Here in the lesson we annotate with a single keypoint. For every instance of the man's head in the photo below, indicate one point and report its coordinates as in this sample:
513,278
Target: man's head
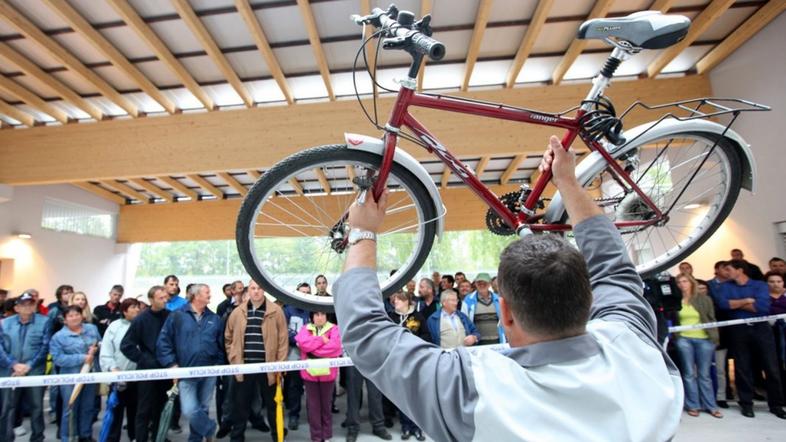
25,306
494,285
447,282
321,283
3,295
157,296
464,288
778,265
722,270
411,286
775,282
483,283
63,294
237,289
227,290
115,293
449,299
34,293
172,285
198,295
686,268
738,270
460,276
436,277
303,287
426,288
737,254
545,288
255,293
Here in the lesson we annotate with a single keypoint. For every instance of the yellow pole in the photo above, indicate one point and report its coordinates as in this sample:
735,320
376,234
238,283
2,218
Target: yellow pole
279,399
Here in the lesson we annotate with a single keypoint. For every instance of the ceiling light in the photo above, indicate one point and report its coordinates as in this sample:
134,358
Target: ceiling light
24,236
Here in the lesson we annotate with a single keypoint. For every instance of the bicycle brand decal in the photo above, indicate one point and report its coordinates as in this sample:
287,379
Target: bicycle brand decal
445,155
608,28
544,118
354,142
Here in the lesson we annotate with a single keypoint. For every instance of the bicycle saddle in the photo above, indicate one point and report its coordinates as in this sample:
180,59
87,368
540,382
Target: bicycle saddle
646,30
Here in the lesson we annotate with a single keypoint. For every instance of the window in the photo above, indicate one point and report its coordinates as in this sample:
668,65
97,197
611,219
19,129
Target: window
63,216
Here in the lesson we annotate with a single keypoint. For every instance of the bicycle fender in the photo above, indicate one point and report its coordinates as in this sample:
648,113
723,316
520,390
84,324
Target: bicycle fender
593,163
377,146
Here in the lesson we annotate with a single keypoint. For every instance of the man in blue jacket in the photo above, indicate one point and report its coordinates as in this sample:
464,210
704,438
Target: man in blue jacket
24,341
450,328
482,309
192,337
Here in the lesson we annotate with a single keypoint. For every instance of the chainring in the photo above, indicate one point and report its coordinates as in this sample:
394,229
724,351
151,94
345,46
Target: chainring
496,224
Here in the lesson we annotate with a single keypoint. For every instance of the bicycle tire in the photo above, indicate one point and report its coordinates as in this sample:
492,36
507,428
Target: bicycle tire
729,151
281,172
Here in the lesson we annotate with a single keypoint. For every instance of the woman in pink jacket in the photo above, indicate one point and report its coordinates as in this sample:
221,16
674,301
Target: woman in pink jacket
318,340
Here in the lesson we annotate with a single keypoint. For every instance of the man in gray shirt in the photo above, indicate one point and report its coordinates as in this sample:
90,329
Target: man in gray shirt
583,355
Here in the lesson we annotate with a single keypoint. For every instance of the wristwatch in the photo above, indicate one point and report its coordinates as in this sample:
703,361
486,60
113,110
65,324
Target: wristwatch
357,235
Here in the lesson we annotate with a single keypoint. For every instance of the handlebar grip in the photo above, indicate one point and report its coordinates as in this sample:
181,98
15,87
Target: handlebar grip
428,46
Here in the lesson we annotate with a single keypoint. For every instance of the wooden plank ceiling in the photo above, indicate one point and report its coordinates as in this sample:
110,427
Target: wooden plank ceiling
65,62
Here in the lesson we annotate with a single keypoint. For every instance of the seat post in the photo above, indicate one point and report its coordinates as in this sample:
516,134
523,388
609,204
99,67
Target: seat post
603,79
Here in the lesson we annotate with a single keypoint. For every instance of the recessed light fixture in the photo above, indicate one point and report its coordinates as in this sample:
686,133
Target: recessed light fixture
24,236
692,206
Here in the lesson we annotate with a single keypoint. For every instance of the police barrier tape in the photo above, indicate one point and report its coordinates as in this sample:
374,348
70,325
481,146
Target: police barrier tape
265,367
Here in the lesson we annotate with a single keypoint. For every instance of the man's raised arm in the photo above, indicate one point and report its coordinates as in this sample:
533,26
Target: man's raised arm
616,286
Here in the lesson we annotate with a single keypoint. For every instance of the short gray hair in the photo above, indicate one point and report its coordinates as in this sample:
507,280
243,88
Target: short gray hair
194,290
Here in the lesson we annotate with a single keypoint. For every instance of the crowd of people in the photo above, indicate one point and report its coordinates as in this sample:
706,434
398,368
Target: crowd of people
168,330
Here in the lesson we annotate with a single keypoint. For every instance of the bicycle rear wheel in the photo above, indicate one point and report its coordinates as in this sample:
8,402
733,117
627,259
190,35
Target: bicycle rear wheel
291,219
696,205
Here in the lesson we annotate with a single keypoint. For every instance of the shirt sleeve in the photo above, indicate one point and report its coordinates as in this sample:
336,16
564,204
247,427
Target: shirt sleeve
106,356
6,360
763,300
616,286
165,349
435,388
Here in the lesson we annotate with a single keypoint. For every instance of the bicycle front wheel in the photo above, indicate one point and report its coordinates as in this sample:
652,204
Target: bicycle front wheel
291,223
693,183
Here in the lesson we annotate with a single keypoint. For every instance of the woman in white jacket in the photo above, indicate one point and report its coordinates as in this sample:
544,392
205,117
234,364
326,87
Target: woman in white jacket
112,359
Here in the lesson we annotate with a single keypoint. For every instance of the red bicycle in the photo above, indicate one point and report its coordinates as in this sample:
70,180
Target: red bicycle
667,184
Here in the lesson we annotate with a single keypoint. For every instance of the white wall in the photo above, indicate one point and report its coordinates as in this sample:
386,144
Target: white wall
51,258
757,72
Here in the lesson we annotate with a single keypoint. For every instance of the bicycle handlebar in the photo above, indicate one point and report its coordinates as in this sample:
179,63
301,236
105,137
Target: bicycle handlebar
402,33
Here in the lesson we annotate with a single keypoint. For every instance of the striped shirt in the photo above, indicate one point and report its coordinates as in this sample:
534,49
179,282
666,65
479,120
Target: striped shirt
254,348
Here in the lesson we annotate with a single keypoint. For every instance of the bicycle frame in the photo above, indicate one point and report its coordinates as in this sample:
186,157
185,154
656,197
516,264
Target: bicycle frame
527,217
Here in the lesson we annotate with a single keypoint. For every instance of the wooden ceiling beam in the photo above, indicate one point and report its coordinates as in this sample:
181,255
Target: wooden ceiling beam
576,47
31,69
261,136
233,183
316,45
264,47
661,5
126,190
481,20
86,30
207,185
371,48
528,42
425,8
512,168
31,31
323,180
180,187
186,12
743,33
17,114
146,33
296,185
152,188
17,90
443,182
103,193
253,173
481,167
708,16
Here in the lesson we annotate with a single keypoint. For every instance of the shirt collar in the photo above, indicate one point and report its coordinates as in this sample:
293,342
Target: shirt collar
555,352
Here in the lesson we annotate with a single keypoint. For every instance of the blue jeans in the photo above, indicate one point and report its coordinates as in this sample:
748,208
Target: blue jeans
696,356
195,395
83,411
12,401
